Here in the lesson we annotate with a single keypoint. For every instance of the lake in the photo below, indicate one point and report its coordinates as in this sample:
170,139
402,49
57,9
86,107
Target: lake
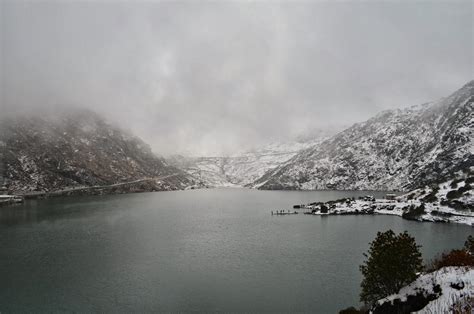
198,250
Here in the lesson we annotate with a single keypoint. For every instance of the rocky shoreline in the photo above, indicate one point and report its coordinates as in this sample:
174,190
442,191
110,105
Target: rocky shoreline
448,202
408,210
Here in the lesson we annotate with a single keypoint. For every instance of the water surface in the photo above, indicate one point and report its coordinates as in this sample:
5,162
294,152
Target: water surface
200,250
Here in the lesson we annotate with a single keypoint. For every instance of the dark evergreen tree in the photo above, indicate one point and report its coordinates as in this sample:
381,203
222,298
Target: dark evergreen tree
469,245
391,263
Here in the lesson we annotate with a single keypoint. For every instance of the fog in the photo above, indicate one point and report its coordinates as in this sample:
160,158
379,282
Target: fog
209,78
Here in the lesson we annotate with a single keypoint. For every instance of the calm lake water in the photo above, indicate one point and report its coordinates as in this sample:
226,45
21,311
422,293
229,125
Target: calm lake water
200,250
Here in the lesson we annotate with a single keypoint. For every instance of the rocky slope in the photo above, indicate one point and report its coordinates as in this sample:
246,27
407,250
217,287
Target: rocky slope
76,149
396,150
243,169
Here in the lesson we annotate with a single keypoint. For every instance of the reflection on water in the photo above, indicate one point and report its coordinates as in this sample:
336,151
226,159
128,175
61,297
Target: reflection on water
50,209
200,250
79,206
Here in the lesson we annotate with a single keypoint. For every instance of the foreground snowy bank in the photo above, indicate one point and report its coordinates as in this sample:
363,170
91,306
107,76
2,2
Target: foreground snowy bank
447,290
451,201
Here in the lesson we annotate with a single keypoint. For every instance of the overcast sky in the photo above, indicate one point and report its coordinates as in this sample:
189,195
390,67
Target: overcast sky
210,78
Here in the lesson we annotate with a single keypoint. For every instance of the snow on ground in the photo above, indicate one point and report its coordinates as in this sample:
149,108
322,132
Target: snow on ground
451,286
386,207
415,205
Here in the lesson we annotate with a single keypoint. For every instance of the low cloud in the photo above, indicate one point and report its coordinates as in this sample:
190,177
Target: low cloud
213,78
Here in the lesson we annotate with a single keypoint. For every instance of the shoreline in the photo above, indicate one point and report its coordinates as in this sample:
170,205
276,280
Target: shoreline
134,187
346,206
409,210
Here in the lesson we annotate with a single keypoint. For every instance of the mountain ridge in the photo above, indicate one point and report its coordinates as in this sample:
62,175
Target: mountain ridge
397,149
241,170
78,148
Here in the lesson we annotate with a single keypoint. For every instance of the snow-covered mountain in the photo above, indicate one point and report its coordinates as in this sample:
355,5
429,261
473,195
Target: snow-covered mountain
77,148
396,150
243,169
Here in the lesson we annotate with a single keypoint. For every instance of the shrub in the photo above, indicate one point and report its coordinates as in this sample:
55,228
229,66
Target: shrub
414,212
453,194
469,244
352,310
463,257
392,262
454,258
430,198
464,188
440,214
454,184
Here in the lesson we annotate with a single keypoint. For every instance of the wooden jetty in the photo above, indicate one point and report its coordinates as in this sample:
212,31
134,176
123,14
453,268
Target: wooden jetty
284,213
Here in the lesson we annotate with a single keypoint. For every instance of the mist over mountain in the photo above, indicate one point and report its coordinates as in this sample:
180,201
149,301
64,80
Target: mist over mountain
395,150
78,148
220,78
243,169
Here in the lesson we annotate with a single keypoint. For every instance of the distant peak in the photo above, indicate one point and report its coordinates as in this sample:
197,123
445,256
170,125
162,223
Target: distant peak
468,85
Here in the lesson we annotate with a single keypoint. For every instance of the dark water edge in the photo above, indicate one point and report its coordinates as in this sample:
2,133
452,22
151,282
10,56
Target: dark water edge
197,250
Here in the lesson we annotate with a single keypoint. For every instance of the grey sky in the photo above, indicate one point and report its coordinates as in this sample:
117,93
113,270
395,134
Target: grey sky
213,77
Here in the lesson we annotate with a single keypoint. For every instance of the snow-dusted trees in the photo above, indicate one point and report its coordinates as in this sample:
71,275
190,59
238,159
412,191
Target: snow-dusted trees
392,262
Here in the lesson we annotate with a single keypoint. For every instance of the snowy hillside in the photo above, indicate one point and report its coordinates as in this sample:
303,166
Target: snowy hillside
447,290
243,169
79,149
396,150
